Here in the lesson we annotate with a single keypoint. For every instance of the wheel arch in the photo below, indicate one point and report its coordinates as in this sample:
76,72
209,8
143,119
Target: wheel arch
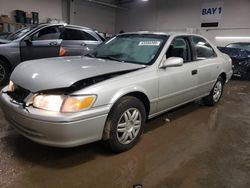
4,59
140,95
223,76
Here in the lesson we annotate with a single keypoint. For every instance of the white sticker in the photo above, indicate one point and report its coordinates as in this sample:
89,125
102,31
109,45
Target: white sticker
149,43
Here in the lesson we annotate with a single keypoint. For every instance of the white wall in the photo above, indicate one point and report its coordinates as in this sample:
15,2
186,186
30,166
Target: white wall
46,8
155,15
178,15
94,16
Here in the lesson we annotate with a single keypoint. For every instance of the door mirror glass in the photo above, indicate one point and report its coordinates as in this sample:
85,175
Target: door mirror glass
172,62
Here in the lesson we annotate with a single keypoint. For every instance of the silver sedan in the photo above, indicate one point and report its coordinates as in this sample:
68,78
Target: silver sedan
110,93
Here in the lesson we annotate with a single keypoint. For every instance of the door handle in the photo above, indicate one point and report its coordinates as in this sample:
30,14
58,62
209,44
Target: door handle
84,44
194,72
53,43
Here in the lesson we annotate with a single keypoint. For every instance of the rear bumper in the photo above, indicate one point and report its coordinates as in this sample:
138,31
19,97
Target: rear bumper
55,131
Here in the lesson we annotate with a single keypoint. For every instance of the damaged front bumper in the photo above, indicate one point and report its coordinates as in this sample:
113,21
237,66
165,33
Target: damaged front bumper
55,128
241,69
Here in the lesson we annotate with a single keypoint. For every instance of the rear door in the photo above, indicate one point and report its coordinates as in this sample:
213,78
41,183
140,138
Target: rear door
209,65
44,43
78,42
177,85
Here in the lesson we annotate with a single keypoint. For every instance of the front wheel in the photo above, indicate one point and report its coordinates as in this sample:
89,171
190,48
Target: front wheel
126,121
215,94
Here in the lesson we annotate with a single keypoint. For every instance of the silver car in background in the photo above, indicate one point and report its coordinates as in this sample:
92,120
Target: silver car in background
43,41
110,93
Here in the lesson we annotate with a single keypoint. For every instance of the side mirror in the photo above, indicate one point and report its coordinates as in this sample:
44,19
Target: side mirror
28,41
172,62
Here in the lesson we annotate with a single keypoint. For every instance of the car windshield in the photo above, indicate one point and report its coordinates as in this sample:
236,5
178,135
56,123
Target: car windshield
20,33
243,46
132,48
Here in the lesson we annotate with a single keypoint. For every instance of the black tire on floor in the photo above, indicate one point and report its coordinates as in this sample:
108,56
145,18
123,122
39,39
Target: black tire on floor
210,100
117,117
4,73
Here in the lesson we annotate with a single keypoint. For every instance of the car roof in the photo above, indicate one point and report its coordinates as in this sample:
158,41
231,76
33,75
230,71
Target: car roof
161,33
68,25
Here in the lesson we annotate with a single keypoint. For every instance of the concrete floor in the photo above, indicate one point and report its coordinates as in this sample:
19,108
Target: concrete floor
201,147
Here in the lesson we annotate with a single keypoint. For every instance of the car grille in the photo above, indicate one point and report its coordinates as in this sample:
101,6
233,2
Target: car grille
19,94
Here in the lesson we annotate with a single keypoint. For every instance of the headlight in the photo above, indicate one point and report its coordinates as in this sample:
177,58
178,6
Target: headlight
11,87
78,103
62,103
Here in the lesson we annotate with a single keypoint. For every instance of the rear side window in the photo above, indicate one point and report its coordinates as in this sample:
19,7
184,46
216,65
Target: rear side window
73,34
202,49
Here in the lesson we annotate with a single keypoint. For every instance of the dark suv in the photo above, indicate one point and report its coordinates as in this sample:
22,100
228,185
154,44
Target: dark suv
43,41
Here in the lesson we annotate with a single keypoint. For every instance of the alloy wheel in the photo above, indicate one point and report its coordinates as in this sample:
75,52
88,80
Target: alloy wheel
129,126
217,91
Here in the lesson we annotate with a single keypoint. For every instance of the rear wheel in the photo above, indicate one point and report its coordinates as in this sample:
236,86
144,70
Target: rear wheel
215,94
4,73
126,121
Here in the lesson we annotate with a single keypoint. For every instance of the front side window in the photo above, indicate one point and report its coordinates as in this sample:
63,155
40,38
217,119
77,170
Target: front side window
179,48
20,33
73,34
132,48
202,49
48,33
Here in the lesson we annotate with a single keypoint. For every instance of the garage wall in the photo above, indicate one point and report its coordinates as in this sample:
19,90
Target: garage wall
46,8
178,15
95,16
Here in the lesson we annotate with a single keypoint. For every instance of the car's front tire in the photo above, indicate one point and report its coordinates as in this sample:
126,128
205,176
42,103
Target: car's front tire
4,73
215,94
126,121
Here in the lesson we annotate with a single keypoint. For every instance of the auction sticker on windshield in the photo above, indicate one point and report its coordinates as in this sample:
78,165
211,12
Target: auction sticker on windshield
149,43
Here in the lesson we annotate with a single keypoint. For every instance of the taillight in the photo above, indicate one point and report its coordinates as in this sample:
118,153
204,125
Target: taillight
62,51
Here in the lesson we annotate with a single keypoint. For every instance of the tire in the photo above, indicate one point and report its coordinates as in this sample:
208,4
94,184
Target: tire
246,76
126,123
4,73
215,94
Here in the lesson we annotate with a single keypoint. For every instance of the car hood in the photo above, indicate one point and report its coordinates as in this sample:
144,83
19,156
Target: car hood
62,72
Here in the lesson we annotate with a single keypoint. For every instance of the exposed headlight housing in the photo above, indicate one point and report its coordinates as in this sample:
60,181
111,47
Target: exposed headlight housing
63,103
11,87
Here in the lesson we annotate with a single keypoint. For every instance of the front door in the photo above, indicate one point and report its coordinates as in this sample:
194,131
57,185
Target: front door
177,85
44,43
